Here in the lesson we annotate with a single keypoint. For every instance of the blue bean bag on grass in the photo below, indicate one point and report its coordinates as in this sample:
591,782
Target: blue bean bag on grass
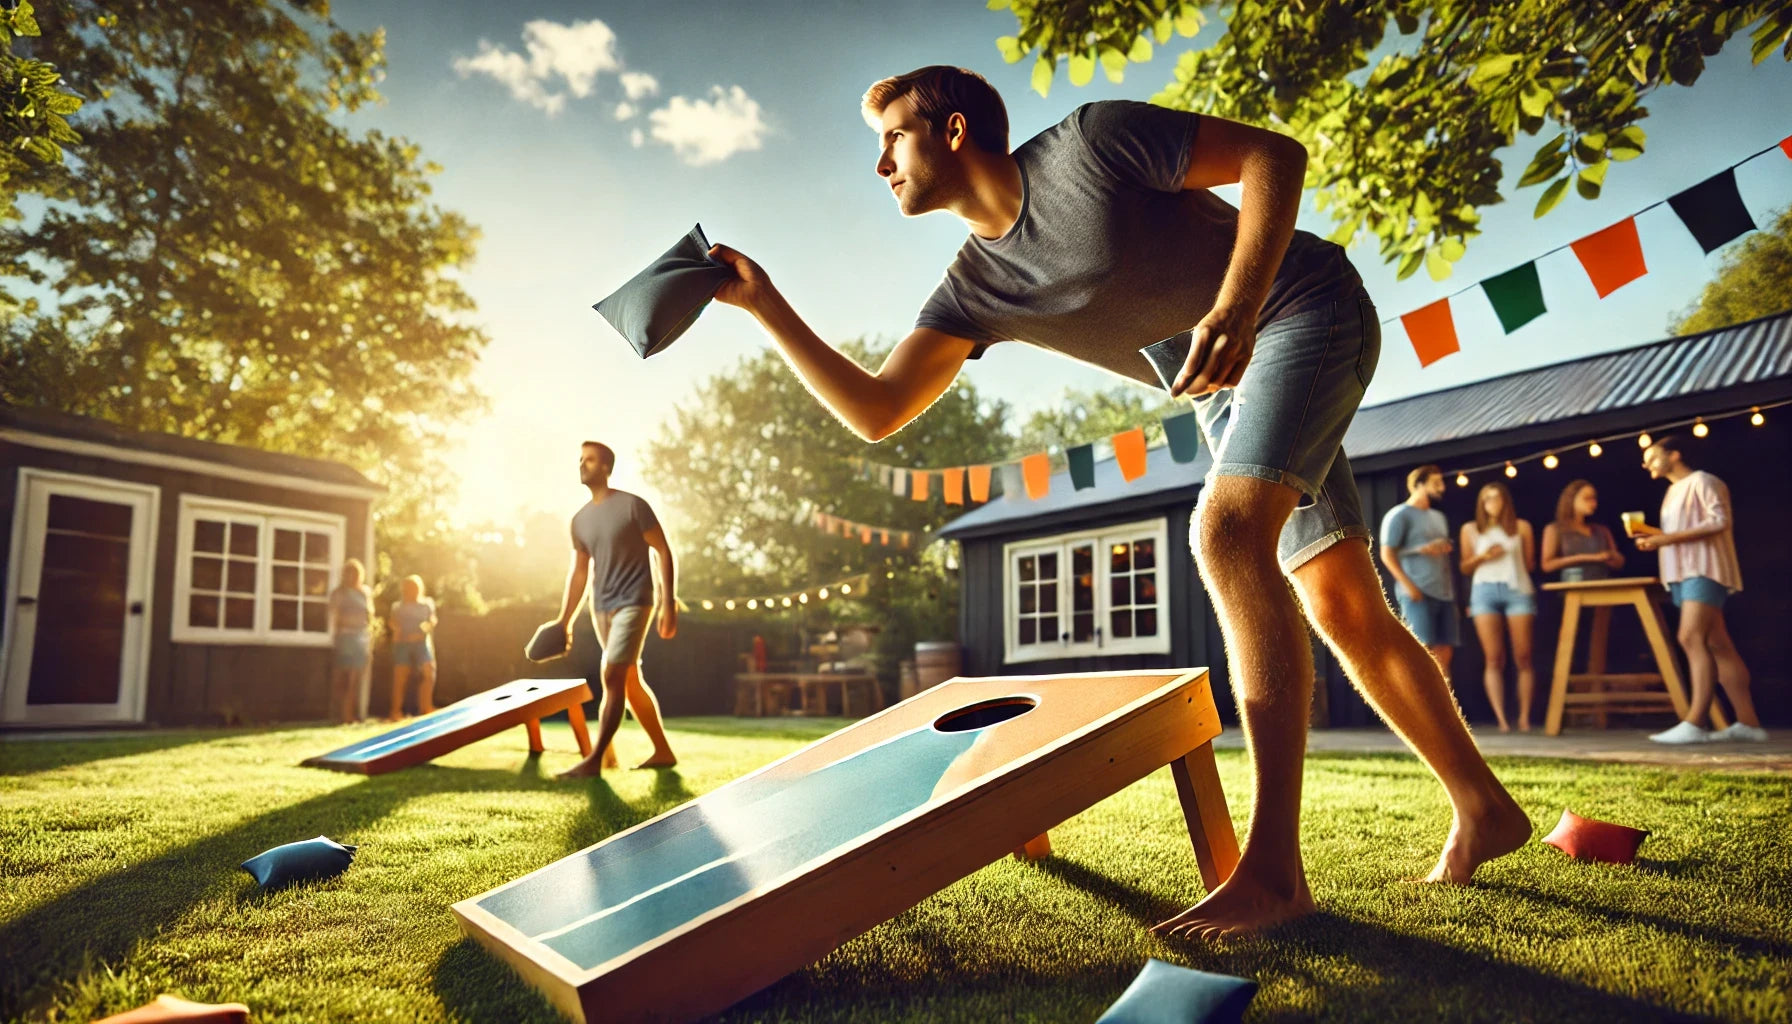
308,861
1166,994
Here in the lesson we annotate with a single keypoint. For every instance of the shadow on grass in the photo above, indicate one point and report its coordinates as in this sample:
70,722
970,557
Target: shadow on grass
1740,944
479,986
42,752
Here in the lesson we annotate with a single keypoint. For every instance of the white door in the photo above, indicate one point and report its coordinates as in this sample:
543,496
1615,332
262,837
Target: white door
77,613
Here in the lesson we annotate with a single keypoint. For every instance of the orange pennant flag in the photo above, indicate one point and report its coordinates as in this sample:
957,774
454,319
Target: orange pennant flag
1612,258
1786,146
884,538
1036,469
1432,331
952,485
1129,452
864,535
919,489
980,483
905,536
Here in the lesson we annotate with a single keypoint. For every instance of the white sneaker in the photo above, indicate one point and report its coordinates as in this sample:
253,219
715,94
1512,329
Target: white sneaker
1741,733
1683,732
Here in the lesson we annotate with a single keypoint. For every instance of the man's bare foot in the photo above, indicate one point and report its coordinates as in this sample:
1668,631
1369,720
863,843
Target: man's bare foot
590,768
610,759
658,761
1241,905
1479,840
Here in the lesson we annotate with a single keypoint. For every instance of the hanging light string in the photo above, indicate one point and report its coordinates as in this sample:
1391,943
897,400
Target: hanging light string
1548,456
845,587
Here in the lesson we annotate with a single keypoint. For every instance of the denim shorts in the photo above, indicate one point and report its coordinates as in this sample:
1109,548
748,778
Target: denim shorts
415,653
1702,589
351,650
1431,619
1285,421
1499,599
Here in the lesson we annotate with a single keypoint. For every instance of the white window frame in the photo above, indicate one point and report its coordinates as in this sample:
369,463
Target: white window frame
1104,646
268,518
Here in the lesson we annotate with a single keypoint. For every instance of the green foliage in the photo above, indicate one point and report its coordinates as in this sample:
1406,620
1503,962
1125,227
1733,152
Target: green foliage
1754,280
232,263
34,111
1404,146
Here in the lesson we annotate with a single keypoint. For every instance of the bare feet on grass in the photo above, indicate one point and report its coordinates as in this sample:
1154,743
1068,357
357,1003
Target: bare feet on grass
1243,905
1478,839
658,761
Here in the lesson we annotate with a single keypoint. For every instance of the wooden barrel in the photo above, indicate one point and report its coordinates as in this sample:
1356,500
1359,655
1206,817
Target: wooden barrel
935,663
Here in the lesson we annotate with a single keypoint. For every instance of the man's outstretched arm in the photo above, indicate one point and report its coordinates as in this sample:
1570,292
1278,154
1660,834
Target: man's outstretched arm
872,405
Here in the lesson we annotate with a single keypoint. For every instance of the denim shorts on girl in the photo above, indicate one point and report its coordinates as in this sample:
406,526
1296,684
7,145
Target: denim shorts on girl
1500,599
1285,421
1702,589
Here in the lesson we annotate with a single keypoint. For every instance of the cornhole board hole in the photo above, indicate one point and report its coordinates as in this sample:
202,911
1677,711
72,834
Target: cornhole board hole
689,912
520,702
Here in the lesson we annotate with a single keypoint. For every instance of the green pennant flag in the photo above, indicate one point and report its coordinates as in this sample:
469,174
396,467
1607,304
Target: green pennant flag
1517,296
1184,435
1082,466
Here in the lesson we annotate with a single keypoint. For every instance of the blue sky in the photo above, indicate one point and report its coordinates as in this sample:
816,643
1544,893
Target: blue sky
744,117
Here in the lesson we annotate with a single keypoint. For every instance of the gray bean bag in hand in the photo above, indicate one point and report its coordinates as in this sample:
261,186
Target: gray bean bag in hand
662,302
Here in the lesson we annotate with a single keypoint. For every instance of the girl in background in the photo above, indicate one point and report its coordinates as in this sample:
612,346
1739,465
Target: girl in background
1578,549
413,623
351,613
1498,553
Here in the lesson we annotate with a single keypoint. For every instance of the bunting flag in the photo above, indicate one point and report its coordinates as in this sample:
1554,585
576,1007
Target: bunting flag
1786,146
1184,435
1013,486
979,476
952,486
1516,295
884,473
919,490
864,535
1432,331
1036,472
1082,466
1129,453
899,482
1712,210
1613,257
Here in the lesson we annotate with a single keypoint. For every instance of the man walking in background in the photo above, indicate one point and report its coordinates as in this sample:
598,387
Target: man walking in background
1415,548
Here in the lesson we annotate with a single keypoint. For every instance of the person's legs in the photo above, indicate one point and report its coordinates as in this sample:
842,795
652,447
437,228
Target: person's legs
1732,674
609,720
1493,669
1522,626
341,688
1342,595
401,674
1696,622
1237,526
620,633
647,712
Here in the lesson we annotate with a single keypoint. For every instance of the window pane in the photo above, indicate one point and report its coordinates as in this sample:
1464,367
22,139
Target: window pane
1082,628
1029,631
245,539
1048,629
316,616
1082,560
1028,601
1145,622
1120,559
317,548
208,573
1048,597
239,613
208,536
1082,593
242,577
317,582
1048,566
84,515
202,611
286,579
1144,554
1120,591
1145,587
1027,569
284,615
288,545
1120,624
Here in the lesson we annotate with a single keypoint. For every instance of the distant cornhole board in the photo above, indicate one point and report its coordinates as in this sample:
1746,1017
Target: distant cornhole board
521,702
688,913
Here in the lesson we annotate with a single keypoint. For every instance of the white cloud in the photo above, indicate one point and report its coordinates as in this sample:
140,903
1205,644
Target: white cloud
637,138
707,131
576,53
625,110
638,84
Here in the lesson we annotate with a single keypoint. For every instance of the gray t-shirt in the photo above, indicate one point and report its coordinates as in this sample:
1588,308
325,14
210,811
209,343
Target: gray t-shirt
610,531
1110,253
1408,529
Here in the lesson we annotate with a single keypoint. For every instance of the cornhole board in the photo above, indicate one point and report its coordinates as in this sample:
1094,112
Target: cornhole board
687,913
519,702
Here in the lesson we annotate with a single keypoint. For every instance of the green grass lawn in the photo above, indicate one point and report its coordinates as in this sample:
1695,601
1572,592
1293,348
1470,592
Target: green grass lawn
119,880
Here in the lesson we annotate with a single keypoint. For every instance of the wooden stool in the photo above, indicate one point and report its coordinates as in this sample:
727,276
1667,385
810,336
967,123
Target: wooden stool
1614,691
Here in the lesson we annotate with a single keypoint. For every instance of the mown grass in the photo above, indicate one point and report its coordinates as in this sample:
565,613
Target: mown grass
119,880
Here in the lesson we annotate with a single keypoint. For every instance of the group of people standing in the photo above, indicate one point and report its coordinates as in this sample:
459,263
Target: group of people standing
1499,551
410,623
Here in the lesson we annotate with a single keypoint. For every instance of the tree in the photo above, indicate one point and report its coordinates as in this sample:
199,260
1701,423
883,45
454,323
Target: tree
34,110
233,263
1405,147
1754,280
1085,416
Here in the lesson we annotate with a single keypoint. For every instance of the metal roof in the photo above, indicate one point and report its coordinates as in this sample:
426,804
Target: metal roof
1752,358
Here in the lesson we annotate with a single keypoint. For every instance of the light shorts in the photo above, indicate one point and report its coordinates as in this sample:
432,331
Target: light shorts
622,632
413,653
352,650
1431,619
1285,421
1702,589
1499,599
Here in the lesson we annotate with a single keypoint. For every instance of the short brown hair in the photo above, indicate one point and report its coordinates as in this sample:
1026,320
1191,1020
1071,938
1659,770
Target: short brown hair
1416,479
1676,444
605,454
939,91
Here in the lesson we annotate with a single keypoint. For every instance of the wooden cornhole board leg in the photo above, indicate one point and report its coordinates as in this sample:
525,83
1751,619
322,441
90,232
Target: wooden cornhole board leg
1204,808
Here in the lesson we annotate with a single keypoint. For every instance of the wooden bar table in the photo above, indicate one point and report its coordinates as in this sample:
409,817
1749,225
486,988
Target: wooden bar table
1605,691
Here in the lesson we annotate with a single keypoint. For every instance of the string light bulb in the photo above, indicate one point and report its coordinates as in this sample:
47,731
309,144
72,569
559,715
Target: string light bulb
846,588
1643,440
752,604
1699,429
824,593
1462,479
1550,461
787,602
1594,450
728,604
709,606
1757,419
1511,471
802,599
